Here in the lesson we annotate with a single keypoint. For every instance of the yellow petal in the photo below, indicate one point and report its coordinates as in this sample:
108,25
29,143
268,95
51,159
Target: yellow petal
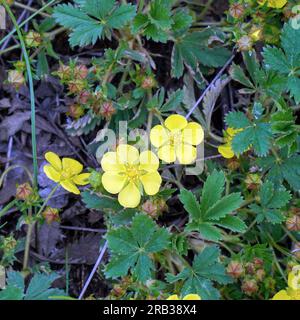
130,196
186,154
193,133
281,295
81,179
72,166
148,161
277,4
51,173
151,182
54,160
167,153
127,154
159,136
113,182
109,162
173,297
192,297
226,151
294,278
176,122
70,186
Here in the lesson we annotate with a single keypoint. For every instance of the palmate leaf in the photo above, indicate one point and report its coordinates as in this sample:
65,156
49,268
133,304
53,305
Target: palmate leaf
287,169
92,19
131,248
271,201
192,50
199,278
287,61
256,134
213,209
39,287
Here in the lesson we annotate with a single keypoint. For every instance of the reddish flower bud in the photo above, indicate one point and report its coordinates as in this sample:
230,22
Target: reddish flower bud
244,43
107,110
84,97
75,86
249,287
81,72
250,268
75,111
51,215
64,72
293,223
260,274
24,191
150,208
148,83
236,10
235,269
258,262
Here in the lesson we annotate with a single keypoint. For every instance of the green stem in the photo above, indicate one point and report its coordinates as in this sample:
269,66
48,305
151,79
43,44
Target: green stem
28,238
27,20
47,199
31,89
16,46
31,224
7,207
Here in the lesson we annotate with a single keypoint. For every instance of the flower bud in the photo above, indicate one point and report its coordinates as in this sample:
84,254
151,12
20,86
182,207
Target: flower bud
233,163
258,262
117,291
250,268
75,111
235,269
253,181
16,78
33,39
63,72
107,110
84,97
249,287
148,83
51,215
237,10
293,223
150,208
24,191
9,243
75,86
244,43
81,72
260,275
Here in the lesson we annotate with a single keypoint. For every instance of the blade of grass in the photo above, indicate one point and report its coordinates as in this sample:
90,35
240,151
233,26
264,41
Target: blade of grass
31,89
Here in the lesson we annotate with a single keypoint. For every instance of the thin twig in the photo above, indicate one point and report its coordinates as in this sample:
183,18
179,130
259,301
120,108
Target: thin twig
210,85
102,252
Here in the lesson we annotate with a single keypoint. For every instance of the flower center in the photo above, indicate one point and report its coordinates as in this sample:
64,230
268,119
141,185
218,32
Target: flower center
132,172
66,174
175,138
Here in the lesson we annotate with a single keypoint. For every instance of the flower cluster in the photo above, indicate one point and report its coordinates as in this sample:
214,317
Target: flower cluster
130,174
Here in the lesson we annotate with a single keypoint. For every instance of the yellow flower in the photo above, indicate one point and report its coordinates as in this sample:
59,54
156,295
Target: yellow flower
293,290
187,297
225,150
276,4
66,172
127,173
177,139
